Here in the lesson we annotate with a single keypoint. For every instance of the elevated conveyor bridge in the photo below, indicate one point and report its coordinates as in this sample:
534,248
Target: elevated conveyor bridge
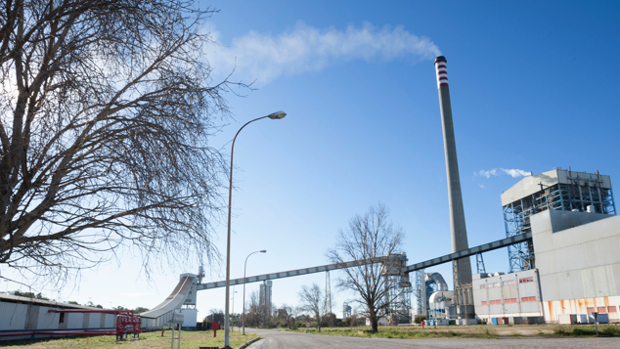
185,291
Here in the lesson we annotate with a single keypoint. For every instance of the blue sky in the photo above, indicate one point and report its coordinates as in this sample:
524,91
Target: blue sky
533,87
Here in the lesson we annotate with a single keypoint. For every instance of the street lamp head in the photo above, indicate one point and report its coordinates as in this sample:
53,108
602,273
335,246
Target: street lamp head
277,115
263,251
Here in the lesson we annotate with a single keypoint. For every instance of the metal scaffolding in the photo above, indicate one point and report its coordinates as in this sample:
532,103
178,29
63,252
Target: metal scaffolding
582,192
420,293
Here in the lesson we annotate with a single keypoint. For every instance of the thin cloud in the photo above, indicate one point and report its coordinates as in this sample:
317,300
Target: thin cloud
265,57
514,173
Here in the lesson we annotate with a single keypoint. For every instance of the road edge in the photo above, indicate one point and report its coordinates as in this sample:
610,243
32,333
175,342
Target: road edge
250,342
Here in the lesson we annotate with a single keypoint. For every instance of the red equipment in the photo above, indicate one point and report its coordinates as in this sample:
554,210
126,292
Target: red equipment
215,326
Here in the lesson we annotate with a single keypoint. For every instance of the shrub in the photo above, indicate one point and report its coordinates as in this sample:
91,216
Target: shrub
584,332
419,318
610,332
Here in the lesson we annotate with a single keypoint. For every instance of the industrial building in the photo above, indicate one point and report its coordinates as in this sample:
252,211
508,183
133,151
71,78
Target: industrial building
264,297
552,190
568,270
564,274
24,314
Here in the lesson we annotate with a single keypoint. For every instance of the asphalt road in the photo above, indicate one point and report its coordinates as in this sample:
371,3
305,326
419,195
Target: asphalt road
292,340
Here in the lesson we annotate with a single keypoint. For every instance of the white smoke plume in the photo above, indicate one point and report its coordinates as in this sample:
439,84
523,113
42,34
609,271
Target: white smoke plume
265,57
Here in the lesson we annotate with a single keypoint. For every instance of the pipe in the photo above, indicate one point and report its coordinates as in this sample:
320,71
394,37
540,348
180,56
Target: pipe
438,280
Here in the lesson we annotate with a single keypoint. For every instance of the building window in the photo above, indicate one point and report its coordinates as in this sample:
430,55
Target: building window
482,286
510,300
509,282
499,301
524,280
612,309
590,310
484,302
493,284
62,318
528,299
602,310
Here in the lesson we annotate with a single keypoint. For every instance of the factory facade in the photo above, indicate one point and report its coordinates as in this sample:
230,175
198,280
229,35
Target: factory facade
570,271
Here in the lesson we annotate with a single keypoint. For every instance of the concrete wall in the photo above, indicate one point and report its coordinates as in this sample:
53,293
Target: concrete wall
578,256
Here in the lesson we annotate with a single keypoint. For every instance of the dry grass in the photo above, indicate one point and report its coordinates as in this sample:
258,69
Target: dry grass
407,332
477,331
193,339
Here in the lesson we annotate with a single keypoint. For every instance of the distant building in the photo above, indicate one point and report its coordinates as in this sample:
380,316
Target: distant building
265,295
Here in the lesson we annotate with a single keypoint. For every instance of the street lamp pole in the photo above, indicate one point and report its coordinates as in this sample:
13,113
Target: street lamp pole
245,265
276,115
233,308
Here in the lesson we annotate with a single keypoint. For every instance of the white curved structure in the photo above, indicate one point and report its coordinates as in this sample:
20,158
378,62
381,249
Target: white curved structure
439,304
183,294
438,280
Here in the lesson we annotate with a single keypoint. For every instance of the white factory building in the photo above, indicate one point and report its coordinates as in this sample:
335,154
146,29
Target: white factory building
576,269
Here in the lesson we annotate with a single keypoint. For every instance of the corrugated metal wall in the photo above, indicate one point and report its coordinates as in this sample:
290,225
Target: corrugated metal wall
13,316
17,317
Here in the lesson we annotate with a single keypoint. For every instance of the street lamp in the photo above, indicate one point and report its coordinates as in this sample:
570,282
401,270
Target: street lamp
276,115
233,308
244,267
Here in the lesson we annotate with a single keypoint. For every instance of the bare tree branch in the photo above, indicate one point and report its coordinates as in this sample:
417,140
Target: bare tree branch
105,112
313,301
369,236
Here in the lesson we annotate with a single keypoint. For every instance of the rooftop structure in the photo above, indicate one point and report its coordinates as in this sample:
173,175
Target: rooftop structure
552,190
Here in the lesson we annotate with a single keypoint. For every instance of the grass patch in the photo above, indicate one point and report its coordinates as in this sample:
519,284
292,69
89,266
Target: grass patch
403,332
586,331
189,339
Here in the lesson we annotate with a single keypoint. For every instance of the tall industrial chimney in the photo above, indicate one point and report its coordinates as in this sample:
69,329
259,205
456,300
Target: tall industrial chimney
462,267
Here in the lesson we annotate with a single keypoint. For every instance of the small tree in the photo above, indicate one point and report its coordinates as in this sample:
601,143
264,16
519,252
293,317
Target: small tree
286,314
313,302
369,236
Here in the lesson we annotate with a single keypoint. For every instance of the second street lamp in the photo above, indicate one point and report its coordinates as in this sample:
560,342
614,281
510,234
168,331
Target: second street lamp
276,115
244,268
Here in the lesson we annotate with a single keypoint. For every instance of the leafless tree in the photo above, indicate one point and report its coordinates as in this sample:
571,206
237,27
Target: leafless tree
258,314
369,236
286,314
313,301
105,109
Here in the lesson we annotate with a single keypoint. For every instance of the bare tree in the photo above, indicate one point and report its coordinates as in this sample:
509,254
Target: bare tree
258,314
369,236
313,301
105,112
287,313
